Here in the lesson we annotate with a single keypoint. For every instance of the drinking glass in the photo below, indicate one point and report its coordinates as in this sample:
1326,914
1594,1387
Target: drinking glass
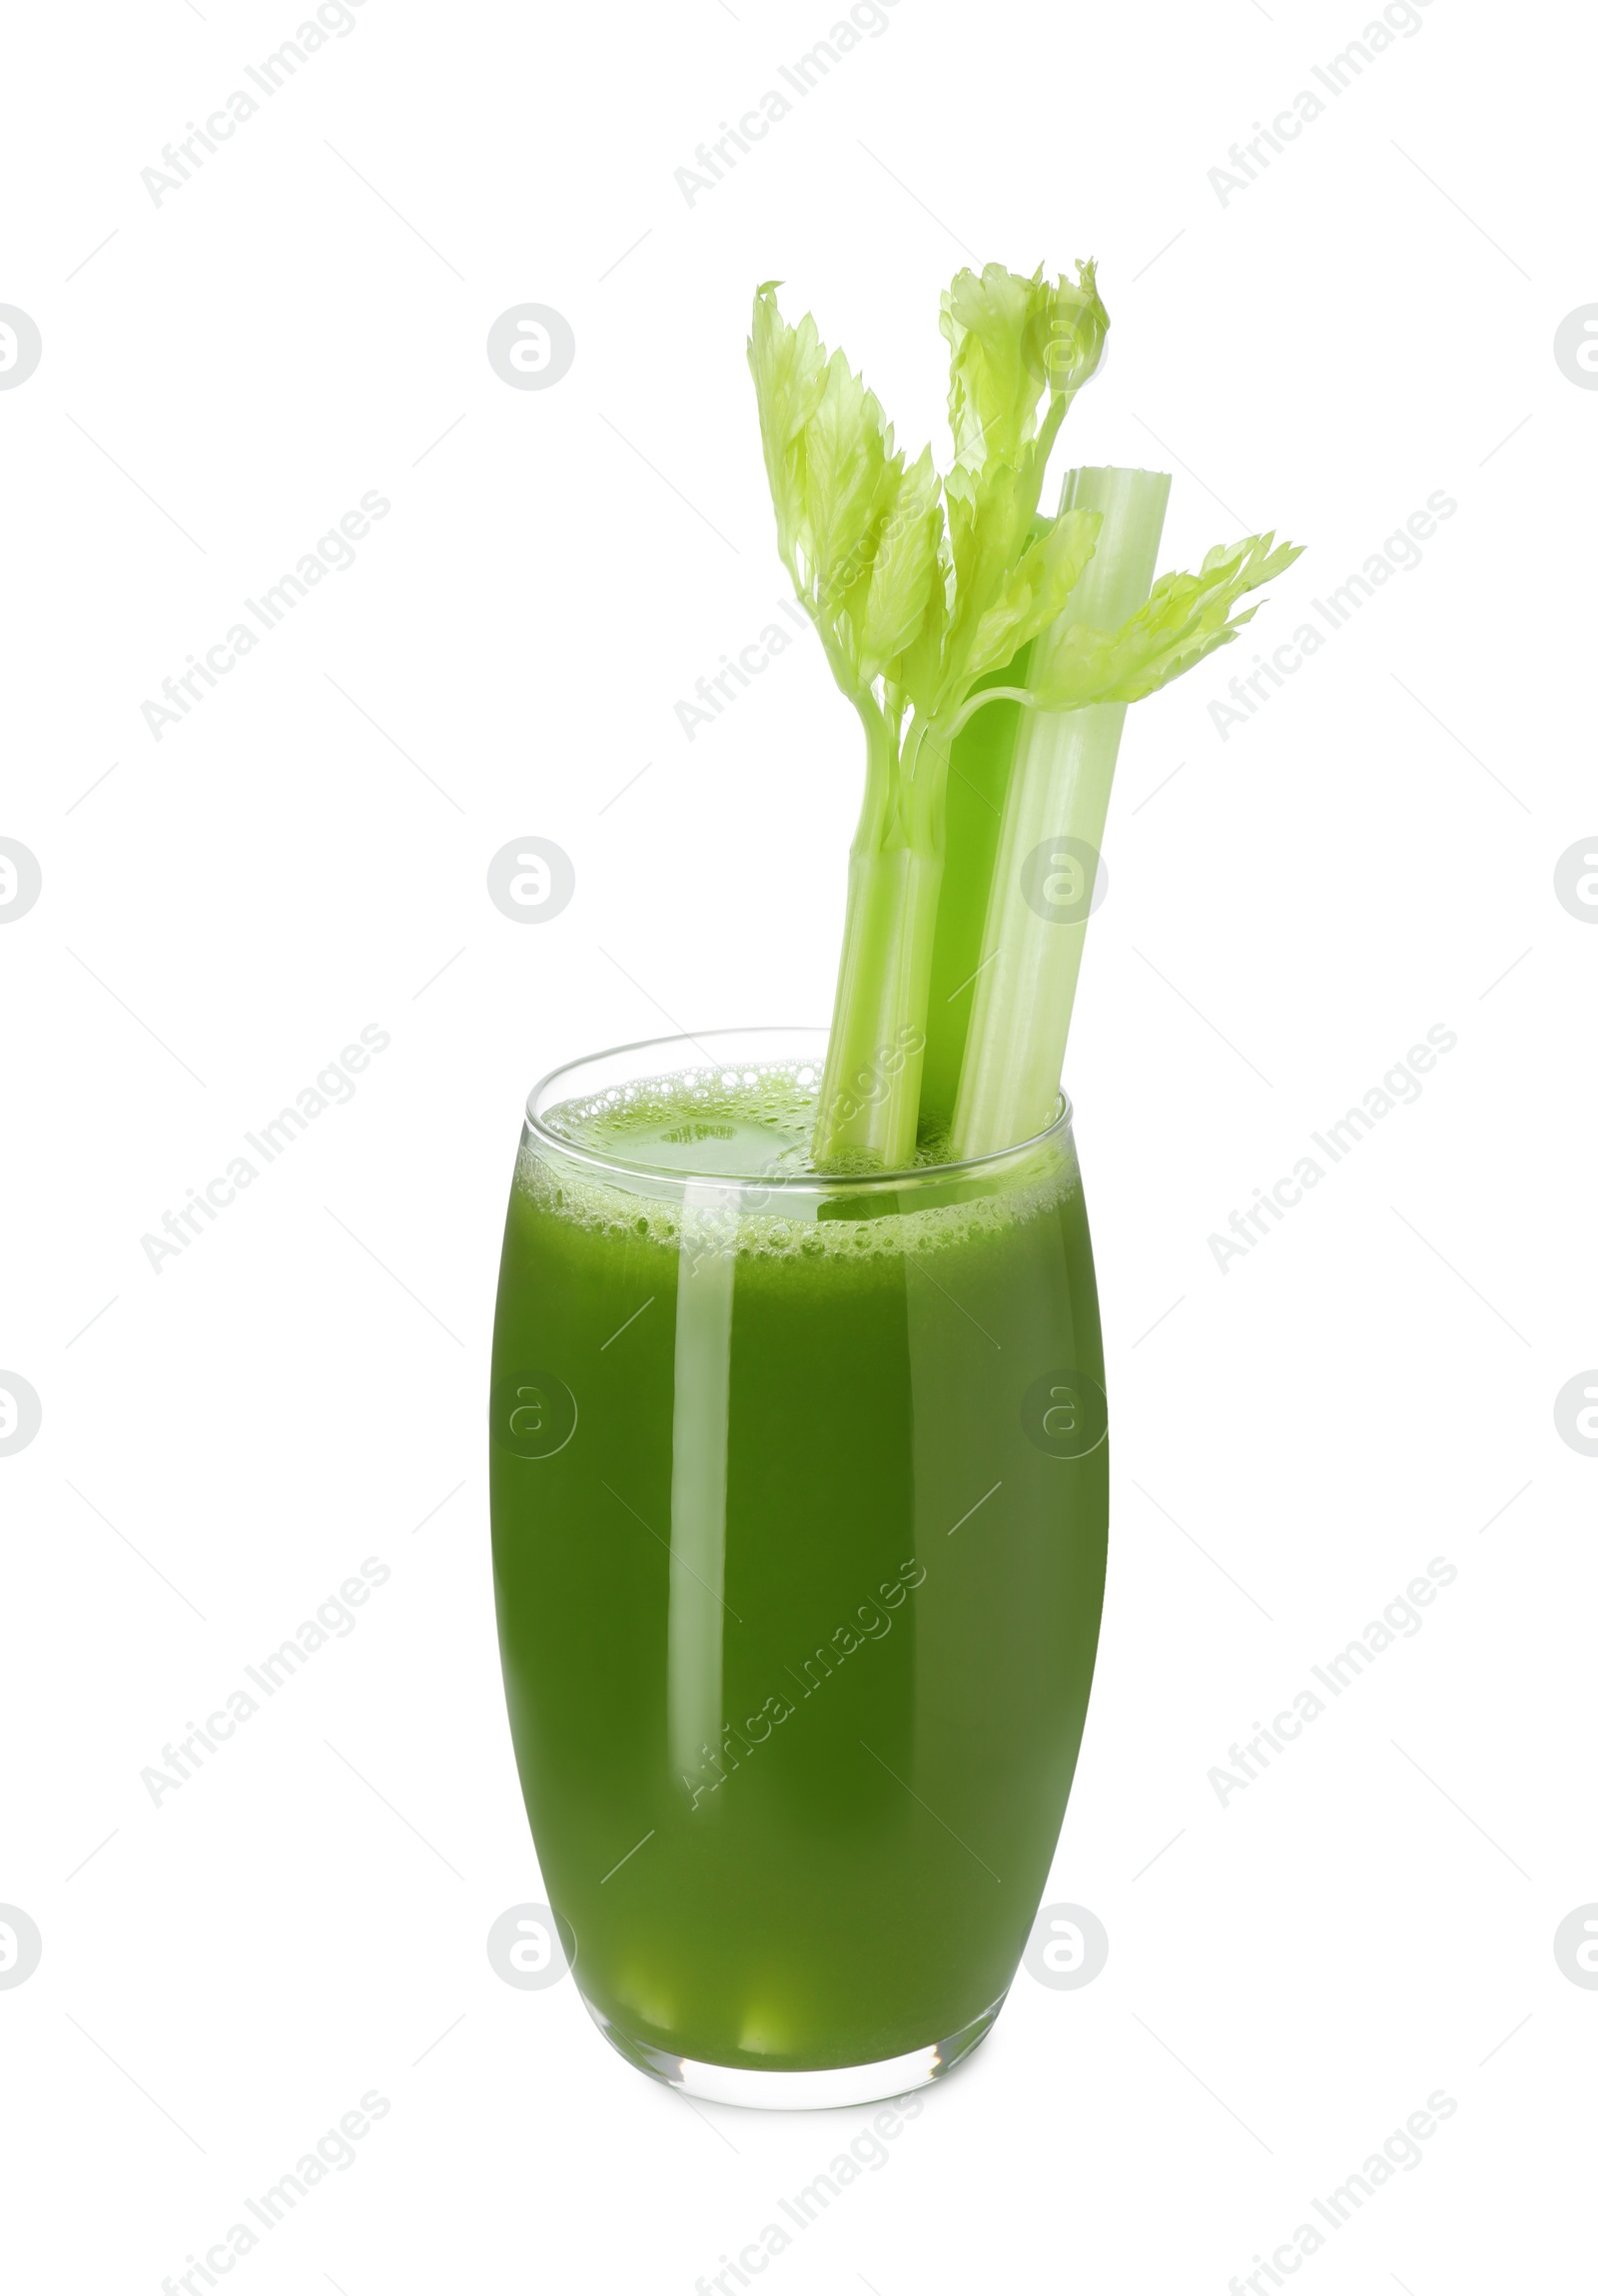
800,1498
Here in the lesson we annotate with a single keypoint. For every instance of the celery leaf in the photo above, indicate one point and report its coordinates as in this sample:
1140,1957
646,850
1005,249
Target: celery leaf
861,536
905,583
1186,618
1011,340
1034,595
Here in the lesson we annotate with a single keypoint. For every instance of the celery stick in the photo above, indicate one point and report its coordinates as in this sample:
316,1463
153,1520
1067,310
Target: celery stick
979,776
924,590
871,1086
1059,788
917,587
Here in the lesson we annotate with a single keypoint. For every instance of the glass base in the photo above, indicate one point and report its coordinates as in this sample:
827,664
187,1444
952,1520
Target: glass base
825,2090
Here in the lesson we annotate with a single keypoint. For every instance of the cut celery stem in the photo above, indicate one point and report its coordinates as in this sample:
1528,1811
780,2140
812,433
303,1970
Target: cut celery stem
871,1079
871,1084
979,759
1058,790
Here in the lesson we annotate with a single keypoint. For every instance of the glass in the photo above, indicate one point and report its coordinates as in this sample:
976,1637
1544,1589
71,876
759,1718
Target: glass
800,1497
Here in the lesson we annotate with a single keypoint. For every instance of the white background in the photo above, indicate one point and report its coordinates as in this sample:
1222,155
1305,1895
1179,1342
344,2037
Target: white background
1371,854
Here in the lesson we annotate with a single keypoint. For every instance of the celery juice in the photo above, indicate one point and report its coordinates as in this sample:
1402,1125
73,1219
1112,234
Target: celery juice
799,1490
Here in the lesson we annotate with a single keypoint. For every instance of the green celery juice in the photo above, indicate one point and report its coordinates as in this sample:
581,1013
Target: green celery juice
800,1496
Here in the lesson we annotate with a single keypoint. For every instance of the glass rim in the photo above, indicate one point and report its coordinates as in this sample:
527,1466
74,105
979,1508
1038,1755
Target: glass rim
678,1175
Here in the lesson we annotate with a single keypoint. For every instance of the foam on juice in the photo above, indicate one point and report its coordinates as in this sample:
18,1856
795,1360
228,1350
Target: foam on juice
731,1135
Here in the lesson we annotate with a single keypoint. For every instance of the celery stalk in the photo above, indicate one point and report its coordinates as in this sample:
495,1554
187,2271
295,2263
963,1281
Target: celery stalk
871,1087
1059,789
917,587
925,590
974,801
